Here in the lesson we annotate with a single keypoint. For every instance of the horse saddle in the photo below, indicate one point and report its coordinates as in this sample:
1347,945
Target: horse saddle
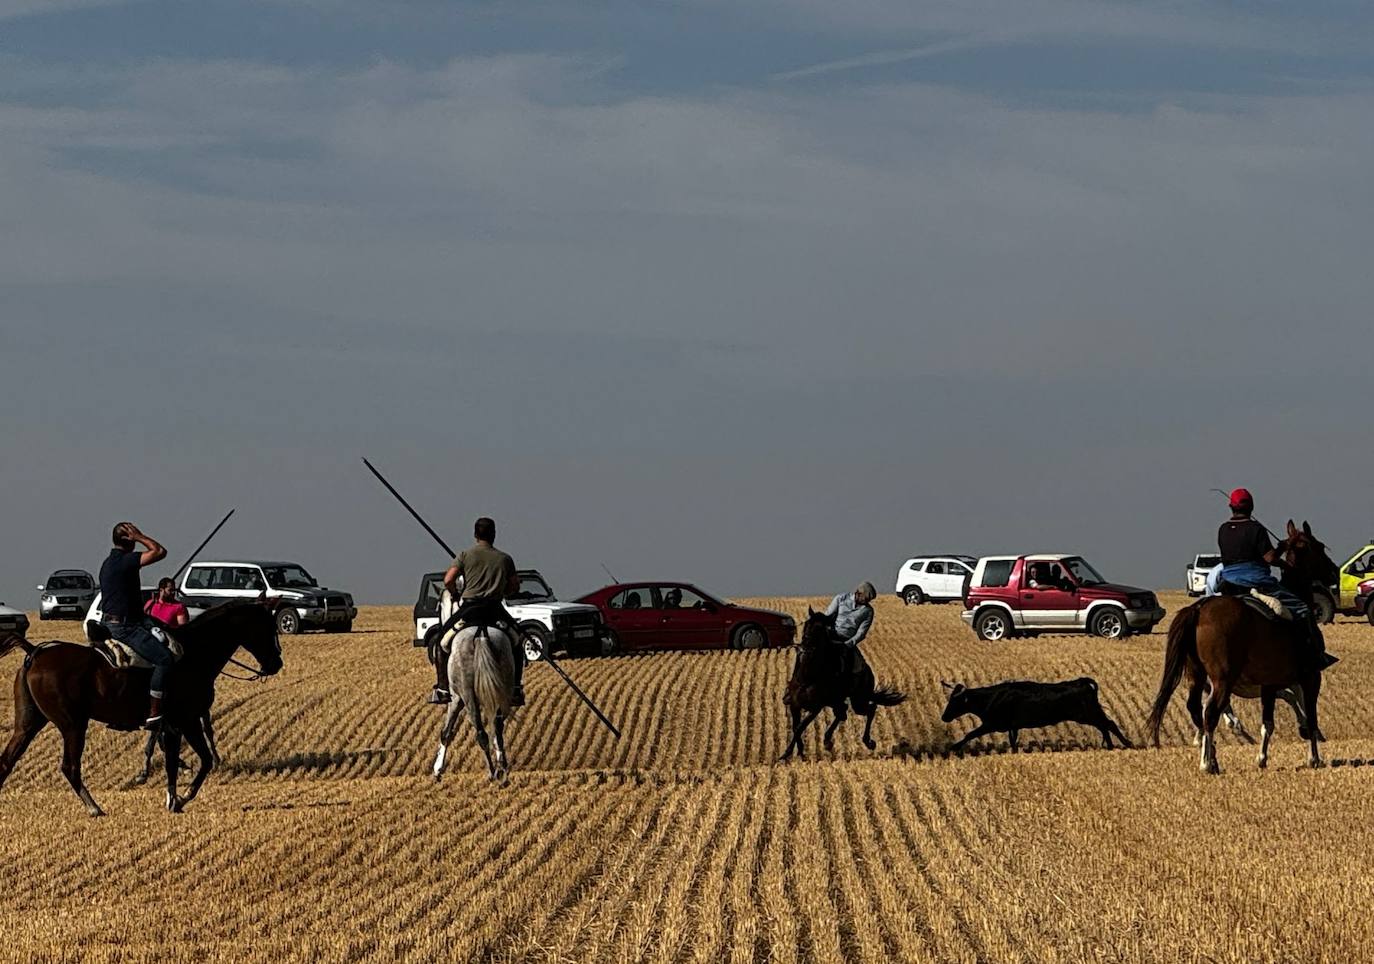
1266,606
120,656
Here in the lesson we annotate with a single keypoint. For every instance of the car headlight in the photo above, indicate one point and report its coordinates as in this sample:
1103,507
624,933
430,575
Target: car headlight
49,599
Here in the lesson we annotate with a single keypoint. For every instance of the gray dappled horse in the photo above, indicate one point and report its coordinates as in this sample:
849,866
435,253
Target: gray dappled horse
481,676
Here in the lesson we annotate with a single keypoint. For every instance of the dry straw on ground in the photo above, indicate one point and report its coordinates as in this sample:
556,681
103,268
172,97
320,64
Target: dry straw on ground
323,839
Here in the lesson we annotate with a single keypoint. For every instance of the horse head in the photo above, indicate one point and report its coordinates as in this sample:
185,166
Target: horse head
251,624
1306,555
818,630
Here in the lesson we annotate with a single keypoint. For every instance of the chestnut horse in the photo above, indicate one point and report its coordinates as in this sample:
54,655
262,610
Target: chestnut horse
1223,643
820,679
71,684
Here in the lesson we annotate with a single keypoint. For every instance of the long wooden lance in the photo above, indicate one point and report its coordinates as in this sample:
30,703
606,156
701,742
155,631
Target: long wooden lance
548,656
192,557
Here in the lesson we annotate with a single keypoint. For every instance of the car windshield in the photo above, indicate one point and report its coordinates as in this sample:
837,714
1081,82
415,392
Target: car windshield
1083,574
69,582
1207,562
532,588
288,577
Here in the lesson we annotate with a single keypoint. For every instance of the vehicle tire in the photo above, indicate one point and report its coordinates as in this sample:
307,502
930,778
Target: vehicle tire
749,636
1109,622
288,622
913,596
536,640
993,625
610,644
43,616
342,627
1369,612
1323,607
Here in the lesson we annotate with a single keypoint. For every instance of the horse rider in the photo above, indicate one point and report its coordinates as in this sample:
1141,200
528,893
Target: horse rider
488,576
853,612
121,607
1247,553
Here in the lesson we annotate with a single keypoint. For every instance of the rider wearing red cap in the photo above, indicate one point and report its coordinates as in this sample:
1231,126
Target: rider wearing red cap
1246,555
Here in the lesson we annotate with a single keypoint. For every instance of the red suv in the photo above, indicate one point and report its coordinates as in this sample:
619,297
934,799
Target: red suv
1028,595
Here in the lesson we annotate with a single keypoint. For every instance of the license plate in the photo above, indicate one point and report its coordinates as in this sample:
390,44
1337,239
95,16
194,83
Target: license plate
583,633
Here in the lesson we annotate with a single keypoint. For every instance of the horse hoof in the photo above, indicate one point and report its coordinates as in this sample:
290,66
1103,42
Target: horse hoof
1262,762
870,744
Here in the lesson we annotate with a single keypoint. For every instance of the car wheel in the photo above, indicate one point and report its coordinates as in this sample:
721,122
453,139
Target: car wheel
288,622
1109,622
913,596
993,625
749,636
1369,612
610,644
1323,607
342,627
536,641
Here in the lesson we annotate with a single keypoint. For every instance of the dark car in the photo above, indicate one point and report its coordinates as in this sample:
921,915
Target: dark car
678,615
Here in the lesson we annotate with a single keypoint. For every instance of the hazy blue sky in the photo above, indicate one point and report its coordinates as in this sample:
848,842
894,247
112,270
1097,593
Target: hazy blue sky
764,296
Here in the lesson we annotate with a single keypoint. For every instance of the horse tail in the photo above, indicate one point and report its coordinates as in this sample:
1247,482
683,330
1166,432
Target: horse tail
493,678
1181,647
12,641
887,696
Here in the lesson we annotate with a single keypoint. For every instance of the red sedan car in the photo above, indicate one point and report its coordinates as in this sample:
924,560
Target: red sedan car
678,615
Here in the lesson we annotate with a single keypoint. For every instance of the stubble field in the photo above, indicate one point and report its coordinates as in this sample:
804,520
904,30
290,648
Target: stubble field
323,838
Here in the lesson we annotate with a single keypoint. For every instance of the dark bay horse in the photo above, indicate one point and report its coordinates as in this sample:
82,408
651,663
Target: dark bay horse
820,679
1225,645
70,685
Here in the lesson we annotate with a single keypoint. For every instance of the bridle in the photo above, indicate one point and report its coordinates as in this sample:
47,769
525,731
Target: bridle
256,671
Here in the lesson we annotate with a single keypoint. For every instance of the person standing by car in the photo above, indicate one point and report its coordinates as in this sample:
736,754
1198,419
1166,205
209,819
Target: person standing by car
853,612
165,607
122,610
488,576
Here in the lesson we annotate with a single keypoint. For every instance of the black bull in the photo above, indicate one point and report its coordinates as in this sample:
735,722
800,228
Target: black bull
1024,704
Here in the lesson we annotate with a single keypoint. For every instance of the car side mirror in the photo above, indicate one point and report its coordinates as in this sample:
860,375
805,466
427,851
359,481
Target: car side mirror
709,607
40,588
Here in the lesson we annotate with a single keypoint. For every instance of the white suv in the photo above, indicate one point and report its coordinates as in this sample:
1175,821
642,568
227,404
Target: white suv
1195,576
934,578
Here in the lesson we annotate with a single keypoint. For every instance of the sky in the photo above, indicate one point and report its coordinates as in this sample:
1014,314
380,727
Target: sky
766,297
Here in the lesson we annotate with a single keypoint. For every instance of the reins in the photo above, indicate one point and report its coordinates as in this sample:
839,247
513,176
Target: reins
257,673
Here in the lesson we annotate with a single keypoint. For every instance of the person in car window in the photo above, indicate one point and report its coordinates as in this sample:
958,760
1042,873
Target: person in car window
122,608
672,599
165,607
853,612
1040,577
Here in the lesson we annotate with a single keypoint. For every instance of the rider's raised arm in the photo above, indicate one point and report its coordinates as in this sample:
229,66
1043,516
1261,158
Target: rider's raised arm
153,551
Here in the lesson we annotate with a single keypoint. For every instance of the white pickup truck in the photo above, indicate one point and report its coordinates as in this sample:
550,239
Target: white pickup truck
548,625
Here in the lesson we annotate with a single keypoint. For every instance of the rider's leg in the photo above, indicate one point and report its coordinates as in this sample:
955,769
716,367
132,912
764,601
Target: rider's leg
143,642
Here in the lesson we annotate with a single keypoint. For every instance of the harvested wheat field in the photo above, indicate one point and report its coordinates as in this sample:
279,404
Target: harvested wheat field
322,836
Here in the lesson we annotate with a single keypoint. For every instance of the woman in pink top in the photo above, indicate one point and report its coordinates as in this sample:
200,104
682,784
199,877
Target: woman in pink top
165,608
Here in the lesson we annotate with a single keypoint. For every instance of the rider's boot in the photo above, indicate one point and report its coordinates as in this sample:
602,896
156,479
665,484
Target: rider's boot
154,719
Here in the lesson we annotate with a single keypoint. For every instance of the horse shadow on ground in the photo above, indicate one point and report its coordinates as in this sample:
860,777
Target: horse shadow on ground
944,749
309,762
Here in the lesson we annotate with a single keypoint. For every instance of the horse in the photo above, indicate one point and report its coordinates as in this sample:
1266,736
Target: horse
71,684
1227,646
481,676
820,679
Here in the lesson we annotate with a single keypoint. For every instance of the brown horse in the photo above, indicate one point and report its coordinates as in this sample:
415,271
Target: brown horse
1224,643
820,679
70,684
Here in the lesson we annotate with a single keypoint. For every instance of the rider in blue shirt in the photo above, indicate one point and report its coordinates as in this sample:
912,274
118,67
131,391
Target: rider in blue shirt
121,607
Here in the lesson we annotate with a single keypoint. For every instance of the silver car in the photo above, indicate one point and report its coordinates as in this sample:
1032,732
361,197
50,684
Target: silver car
67,594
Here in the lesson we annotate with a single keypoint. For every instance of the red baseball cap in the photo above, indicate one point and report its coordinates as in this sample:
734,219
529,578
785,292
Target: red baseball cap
1241,498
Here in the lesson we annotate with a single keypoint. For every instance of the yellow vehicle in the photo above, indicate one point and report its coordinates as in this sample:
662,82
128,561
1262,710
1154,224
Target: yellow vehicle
1355,570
